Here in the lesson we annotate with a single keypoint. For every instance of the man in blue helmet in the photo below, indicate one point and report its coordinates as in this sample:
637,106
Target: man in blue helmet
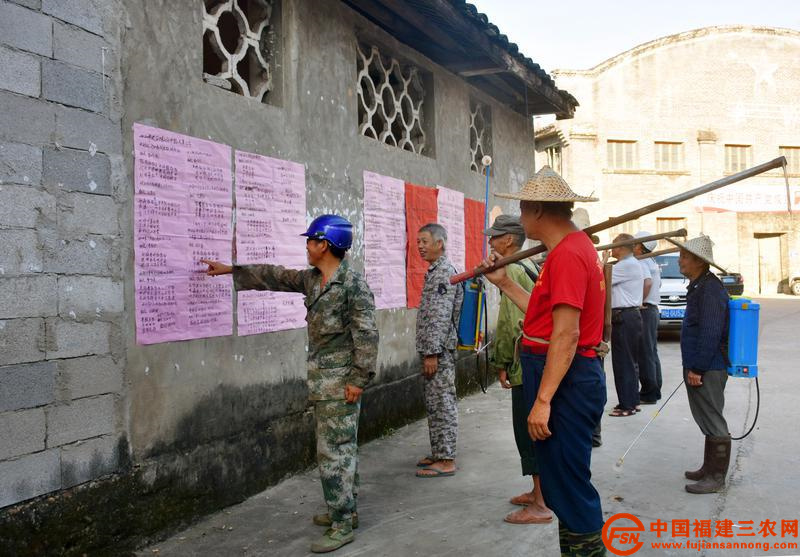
342,354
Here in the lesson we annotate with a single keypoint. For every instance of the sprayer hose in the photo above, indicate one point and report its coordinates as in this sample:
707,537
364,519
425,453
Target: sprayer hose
755,419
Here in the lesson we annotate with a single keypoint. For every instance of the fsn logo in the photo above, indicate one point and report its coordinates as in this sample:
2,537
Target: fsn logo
618,534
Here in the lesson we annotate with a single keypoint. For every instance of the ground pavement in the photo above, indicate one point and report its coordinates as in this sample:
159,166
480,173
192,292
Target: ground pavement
462,516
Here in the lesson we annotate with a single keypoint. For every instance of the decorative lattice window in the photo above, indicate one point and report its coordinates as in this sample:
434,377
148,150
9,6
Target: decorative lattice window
236,46
390,101
480,133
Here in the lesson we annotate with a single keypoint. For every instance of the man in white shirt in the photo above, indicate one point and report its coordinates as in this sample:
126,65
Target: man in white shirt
649,363
627,288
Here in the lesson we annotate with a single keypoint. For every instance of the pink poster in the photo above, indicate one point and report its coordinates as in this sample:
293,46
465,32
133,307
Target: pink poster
182,213
451,216
385,239
270,216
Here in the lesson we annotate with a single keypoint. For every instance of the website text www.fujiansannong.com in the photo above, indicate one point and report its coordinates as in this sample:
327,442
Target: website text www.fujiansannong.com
699,545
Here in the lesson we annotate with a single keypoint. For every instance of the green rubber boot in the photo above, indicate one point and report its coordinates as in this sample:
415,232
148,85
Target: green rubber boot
332,539
324,519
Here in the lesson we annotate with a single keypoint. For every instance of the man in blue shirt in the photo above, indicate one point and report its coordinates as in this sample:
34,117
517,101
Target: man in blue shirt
704,347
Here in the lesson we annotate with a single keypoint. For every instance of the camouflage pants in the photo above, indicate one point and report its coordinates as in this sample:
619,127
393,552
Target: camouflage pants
337,456
440,402
580,545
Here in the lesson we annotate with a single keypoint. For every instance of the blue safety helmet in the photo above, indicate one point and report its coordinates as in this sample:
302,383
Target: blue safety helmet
333,228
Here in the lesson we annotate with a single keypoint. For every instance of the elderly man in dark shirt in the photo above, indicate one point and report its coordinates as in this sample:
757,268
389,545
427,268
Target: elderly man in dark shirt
704,348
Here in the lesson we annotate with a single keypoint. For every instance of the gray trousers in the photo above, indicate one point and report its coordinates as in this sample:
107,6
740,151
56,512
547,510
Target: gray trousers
707,402
441,404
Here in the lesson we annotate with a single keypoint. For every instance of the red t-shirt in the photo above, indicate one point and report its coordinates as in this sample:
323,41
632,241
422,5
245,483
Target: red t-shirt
572,275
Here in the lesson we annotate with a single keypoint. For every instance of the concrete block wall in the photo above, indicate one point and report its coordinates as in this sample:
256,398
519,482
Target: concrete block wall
61,290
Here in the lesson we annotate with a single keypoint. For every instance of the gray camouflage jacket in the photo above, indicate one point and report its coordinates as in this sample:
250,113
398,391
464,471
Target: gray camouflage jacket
342,333
439,310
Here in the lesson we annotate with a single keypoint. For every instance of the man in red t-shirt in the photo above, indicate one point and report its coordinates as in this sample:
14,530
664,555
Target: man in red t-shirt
563,379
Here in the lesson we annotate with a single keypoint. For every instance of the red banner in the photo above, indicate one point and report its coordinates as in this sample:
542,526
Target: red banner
473,230
421,209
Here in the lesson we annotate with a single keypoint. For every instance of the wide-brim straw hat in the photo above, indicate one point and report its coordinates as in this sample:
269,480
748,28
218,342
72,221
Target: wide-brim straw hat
546,185
702,247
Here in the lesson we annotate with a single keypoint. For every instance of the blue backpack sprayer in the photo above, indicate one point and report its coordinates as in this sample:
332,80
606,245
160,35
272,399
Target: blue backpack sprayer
742,357
473,323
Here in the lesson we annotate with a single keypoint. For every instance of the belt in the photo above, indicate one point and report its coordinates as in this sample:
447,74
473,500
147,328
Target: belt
539,346
637,308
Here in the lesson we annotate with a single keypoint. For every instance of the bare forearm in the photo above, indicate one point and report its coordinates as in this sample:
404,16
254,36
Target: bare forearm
648,285
560,354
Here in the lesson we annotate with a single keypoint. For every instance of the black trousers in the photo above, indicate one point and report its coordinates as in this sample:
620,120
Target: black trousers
519,417
626,334
649,365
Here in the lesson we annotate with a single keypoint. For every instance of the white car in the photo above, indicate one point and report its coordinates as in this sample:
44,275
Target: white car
672,304
794,284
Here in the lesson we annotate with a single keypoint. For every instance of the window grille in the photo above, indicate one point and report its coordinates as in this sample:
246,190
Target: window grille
480,133
390,101
236,46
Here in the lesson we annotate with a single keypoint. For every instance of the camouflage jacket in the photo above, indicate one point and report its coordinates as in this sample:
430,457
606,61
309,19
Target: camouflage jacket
342,334
439,310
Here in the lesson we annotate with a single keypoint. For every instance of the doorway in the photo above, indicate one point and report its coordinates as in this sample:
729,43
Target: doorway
770,263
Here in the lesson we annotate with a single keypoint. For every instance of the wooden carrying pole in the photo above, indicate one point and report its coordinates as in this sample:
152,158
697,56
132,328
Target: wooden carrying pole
607,274
633,215
659,252
681,232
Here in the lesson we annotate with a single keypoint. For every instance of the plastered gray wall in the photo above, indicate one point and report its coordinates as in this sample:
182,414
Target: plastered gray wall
79,399
316,125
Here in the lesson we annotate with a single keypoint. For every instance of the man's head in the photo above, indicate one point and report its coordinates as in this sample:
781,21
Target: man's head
431,241
696,256
537,217
506,235
328,237
646,247
690,265
318,251
622,251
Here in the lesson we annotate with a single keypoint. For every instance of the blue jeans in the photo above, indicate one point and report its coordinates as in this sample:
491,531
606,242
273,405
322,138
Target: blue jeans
565,457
